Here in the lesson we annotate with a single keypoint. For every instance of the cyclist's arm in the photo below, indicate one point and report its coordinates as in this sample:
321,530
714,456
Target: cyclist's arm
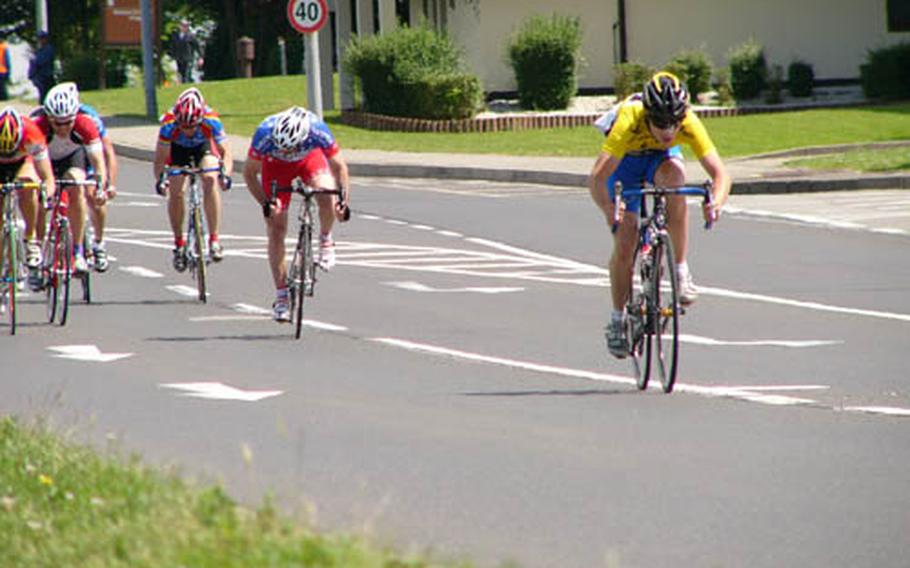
46,173
96,157
110,159
715,168
604,167
227,159
252,168
340,171
162,153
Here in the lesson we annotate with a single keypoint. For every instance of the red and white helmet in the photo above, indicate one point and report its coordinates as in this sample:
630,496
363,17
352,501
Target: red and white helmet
62,101
190,107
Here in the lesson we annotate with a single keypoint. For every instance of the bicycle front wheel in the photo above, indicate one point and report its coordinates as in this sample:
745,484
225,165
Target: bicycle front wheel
86,278
306,268
59,274
10,273
666,319
637,330
199,251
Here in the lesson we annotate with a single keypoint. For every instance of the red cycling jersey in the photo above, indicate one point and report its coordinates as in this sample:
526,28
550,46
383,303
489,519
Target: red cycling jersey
84,133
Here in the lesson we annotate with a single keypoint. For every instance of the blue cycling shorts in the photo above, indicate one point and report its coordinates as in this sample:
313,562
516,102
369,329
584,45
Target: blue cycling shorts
635,168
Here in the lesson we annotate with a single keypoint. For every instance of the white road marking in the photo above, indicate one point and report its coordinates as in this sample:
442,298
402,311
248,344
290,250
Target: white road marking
251,309
137,204
889,410
418,287
87,353
183,290
699,340
229,318
141,272
220,391
740,393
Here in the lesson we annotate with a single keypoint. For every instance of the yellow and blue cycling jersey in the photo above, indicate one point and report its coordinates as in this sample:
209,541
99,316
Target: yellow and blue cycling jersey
208,131
629,133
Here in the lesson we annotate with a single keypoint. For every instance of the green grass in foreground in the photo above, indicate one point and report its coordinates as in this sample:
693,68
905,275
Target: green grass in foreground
243,103
64,505
877,160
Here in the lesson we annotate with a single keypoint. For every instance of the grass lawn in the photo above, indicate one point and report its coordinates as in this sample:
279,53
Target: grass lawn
66,505
243,103
880,160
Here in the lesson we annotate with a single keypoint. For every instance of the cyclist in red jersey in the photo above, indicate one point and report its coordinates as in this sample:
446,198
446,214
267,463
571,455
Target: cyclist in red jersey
73,143
192,135
24,157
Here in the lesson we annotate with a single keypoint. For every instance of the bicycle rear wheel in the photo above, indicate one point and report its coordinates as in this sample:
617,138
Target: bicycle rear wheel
9,272
86,278
667,317
199,250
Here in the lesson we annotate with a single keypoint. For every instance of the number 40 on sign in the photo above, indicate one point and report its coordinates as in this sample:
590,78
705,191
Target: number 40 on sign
307,16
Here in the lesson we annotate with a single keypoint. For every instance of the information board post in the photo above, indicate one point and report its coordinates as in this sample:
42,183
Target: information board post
308,17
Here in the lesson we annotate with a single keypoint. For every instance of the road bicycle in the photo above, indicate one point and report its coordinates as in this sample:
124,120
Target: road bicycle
12,250
301,278
653,309
85,278
198,257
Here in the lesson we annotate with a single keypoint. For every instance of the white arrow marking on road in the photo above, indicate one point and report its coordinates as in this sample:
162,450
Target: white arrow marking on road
697,339
889,410
87,353
141,272
418,287
220,391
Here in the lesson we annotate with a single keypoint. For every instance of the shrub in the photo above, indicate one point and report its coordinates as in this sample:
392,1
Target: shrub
800,77
630,78
775,85
544,55
884,74
747,70
83,68
694,68
723,88
413,72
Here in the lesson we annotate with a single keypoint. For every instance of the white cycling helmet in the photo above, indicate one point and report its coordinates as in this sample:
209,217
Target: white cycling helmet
291,127
62,101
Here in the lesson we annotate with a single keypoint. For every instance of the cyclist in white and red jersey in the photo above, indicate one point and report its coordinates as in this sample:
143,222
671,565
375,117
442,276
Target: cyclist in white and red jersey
24,157
294,143
96,200
642,144
191,135
73,142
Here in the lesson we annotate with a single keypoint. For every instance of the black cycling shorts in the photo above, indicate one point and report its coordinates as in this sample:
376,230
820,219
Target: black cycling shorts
77,159
189,156
9,171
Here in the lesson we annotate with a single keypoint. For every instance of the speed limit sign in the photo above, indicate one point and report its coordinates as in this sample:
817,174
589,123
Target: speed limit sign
307,16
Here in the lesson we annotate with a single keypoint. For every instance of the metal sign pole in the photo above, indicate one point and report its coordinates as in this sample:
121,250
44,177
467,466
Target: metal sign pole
148,65
313,78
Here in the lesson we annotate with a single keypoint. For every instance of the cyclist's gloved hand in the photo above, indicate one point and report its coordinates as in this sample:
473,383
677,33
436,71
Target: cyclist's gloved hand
226,182
162,185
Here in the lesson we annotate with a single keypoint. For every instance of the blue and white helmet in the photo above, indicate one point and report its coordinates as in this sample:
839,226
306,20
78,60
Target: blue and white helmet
291,128
62,101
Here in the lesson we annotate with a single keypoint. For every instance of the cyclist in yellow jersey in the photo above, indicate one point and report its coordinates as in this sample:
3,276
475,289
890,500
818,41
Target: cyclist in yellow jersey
642,144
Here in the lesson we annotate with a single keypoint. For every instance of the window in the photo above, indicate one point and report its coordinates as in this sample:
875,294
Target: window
898,15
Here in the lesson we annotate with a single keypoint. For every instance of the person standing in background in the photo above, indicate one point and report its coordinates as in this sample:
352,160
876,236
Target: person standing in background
5,68
41,67
186,51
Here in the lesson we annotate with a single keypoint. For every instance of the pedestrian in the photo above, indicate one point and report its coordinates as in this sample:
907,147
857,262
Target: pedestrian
186,51
41,67
5,68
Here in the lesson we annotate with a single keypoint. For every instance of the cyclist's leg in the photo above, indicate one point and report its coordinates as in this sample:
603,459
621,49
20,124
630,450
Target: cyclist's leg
212,194
76,210
277,223
28,200
631,172
668,173
315,171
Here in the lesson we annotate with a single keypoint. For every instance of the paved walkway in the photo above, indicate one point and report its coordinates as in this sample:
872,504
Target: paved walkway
757,174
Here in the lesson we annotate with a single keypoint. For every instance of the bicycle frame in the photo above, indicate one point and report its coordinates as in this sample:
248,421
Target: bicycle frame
197,233
85,277
301,277
653,318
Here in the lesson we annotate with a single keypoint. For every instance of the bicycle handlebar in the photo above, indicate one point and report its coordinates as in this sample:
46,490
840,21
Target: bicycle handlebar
308,191
11,186
184,171
703,190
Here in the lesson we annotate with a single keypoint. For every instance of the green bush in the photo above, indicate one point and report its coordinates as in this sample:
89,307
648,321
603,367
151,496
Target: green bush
774,95
800,77
694,68
413,72
629,78
544,55
83,70
748,70
884,74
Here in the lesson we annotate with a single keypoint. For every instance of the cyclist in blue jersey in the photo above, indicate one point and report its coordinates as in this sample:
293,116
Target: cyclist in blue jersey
294,143
191,135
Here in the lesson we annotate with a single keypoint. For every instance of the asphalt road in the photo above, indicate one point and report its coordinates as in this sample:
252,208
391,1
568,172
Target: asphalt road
452,391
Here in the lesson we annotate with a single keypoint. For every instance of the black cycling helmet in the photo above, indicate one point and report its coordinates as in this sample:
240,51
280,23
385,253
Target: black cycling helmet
665,98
